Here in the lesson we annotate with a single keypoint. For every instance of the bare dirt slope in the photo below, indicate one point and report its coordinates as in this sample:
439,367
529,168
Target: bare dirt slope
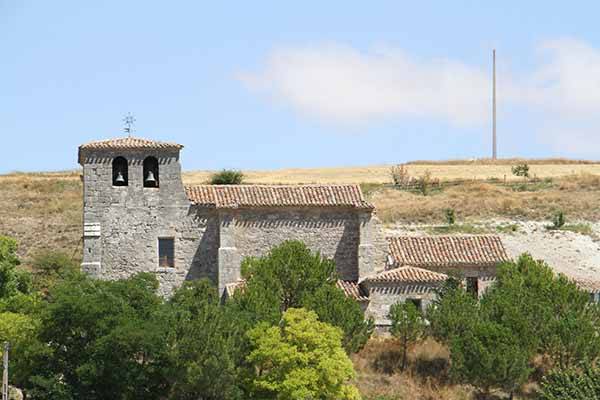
573,253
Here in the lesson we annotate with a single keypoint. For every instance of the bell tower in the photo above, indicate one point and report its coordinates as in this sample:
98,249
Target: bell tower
130,186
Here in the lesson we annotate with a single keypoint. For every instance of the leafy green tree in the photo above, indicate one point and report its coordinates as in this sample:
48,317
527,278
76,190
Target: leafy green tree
291,276
202,349
454,312
408,325
335,308
572,384
12,280
489,357
300,358
104,340
227,177
52,266
549,314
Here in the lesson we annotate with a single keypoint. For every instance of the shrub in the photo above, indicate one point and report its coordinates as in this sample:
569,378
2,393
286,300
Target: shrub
51,266
558,220
571,384
12,280
450,216
521,170
425,183
400,175
227,177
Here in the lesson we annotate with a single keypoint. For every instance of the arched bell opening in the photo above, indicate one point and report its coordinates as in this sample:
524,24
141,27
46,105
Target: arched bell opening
120,176
151,172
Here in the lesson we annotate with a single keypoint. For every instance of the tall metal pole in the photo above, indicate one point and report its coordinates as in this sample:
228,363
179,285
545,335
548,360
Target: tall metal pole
494,145
5,373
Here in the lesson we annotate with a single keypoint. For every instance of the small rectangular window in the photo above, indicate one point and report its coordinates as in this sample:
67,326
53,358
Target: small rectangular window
166,252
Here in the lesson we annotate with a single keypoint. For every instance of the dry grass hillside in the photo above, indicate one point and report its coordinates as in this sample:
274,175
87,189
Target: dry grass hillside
380,174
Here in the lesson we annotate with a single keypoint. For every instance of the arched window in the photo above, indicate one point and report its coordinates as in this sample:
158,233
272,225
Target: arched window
119,172
151,172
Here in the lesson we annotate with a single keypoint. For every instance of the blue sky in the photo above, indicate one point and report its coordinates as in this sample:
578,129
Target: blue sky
261,85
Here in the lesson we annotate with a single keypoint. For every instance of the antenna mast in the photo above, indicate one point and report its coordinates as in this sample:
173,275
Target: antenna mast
129,120
494,144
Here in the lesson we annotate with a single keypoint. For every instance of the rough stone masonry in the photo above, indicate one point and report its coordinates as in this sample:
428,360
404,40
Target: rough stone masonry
210,228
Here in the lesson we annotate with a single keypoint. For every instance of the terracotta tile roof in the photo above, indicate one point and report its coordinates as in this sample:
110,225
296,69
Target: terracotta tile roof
446,251
128,143
408,275
233,196
230,288
352,290
589,285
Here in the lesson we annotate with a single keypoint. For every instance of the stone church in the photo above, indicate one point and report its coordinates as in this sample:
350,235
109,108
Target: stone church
138,216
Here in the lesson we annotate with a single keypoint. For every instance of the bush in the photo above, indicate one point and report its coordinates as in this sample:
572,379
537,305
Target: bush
521,170
12,280
51,266
400,175
227,177
558,220
425,183
571,384
450,216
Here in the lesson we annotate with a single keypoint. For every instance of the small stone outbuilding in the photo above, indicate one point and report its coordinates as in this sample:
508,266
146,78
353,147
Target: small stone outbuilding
418,265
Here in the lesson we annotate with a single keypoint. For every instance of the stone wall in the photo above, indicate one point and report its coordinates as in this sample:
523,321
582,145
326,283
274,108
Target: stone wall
383,296
333,232
122,224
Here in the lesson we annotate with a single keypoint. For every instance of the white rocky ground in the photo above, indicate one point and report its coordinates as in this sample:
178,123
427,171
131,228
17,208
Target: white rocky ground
574,254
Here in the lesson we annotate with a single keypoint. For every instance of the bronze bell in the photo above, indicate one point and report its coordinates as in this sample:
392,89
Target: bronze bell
120,178
150,178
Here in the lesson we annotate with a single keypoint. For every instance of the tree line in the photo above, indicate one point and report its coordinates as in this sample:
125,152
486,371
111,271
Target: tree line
529,319
287,333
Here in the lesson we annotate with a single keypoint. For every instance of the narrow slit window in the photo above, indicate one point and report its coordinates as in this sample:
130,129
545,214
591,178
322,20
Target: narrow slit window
166,252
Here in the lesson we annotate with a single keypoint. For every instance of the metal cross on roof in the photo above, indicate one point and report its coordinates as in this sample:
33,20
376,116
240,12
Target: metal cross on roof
129,120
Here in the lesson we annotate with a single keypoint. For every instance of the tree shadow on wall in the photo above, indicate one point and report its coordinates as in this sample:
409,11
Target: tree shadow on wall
346,252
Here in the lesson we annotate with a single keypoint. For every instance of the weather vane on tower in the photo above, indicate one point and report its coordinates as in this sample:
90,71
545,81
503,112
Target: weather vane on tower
129,120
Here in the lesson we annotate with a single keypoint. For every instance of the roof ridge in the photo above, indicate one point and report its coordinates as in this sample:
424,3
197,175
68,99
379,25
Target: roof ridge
278,185
407,273
124,141
259,195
